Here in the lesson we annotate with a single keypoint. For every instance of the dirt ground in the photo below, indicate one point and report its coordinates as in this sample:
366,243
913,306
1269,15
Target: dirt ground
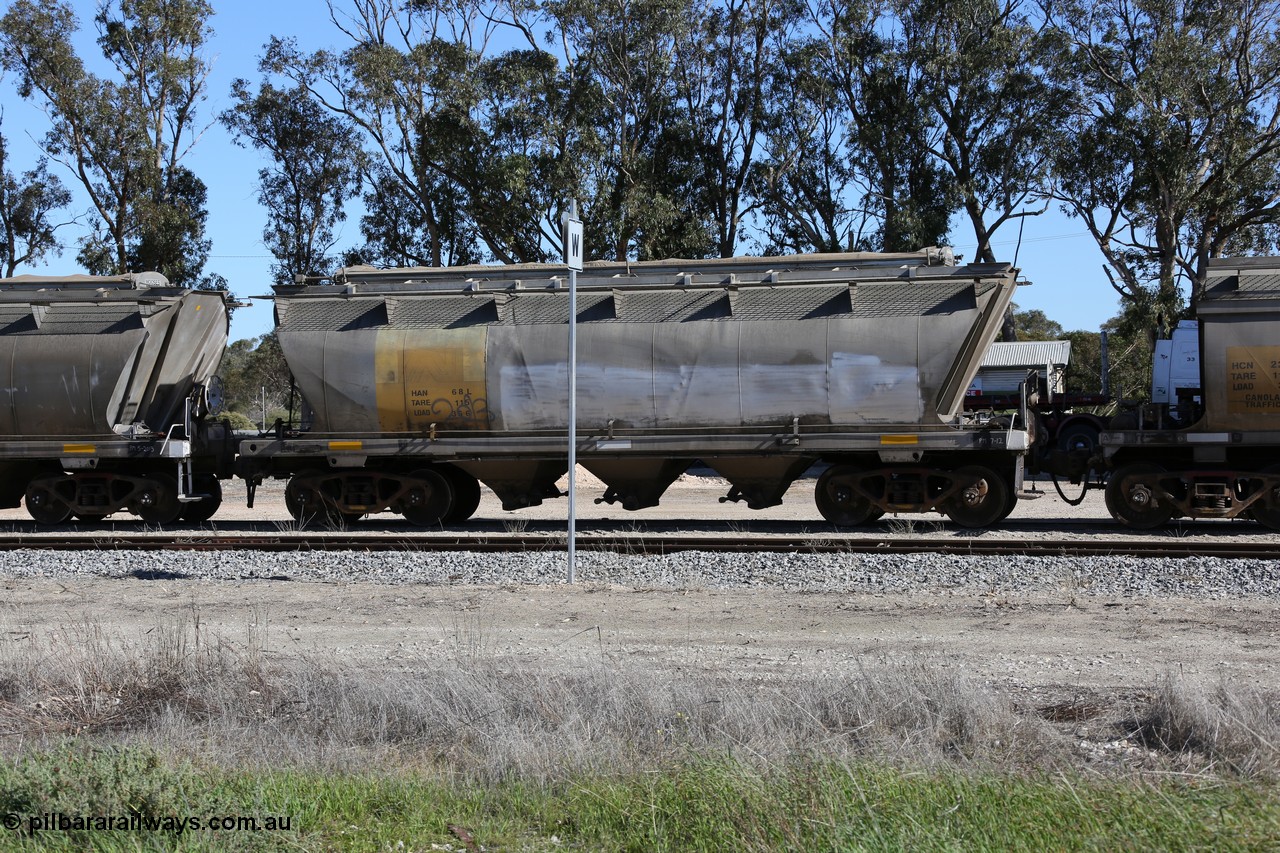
1052,648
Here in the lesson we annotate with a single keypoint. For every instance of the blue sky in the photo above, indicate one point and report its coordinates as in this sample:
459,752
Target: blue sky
1056,255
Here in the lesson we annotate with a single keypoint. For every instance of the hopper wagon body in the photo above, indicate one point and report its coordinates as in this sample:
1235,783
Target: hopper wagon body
420,383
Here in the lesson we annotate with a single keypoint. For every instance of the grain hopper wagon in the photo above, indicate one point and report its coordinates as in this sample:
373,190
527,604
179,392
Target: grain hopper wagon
420,383
104,394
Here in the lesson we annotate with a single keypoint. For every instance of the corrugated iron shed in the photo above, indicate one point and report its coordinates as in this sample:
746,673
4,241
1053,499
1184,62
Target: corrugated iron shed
1029,354
1006,364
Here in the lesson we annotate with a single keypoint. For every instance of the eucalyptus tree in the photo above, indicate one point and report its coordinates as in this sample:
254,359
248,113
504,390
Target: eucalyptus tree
458,159
804,187
124,137
27,201
880,83
311,174
1172,155
733,60
381,82
991,102
642,178
499,131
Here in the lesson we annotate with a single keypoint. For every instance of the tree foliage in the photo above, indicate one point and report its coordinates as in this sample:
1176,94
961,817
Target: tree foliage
806,193
1172,153
385,82
312,173
685,127
256,382
879,84
27,201
987,86
1033,325
123,137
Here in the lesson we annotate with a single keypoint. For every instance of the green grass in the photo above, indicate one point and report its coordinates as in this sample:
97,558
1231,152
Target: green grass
709,804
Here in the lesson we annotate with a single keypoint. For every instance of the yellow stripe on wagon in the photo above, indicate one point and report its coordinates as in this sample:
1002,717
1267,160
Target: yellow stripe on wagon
899,439
79,448
346,445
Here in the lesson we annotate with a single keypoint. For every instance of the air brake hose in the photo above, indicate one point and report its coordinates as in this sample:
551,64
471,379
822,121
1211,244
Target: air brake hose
1084,490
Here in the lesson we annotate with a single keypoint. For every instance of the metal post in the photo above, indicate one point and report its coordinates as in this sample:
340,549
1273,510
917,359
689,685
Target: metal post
1106,365
573,259
573,421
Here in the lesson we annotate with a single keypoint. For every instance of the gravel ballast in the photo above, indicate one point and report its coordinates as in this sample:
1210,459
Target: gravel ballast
937,574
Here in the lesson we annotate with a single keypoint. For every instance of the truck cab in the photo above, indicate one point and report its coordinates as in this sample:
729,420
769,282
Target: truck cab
1175,373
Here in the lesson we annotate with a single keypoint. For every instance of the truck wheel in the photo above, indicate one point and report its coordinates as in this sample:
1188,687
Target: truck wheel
307,507
302,499
44,505
428,502
466,494
1078,437
156,502
1010,504
198,512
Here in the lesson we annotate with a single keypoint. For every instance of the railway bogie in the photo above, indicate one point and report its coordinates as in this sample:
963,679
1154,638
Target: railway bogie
1147,494
970,493
428,496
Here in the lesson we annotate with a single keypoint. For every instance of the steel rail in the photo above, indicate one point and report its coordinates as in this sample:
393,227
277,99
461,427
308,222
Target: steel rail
640,544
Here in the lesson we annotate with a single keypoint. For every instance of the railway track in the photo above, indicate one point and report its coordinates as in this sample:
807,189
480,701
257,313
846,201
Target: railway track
640,544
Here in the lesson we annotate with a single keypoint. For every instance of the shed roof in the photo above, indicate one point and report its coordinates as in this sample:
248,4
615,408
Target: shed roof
1027,354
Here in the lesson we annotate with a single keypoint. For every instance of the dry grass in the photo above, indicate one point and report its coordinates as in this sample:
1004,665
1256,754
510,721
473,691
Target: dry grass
470,715
909,525
1233,731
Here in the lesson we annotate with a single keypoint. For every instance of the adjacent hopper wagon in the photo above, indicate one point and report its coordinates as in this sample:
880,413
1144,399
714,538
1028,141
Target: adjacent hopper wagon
1206,446
420,383
104,395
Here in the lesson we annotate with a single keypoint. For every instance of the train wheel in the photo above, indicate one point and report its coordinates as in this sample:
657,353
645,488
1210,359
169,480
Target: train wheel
157,501
303,500
202,510
1135,504
1010,504
837,500
428,502
981,503
308,507
1264,515
466,494
45,506
1079,437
